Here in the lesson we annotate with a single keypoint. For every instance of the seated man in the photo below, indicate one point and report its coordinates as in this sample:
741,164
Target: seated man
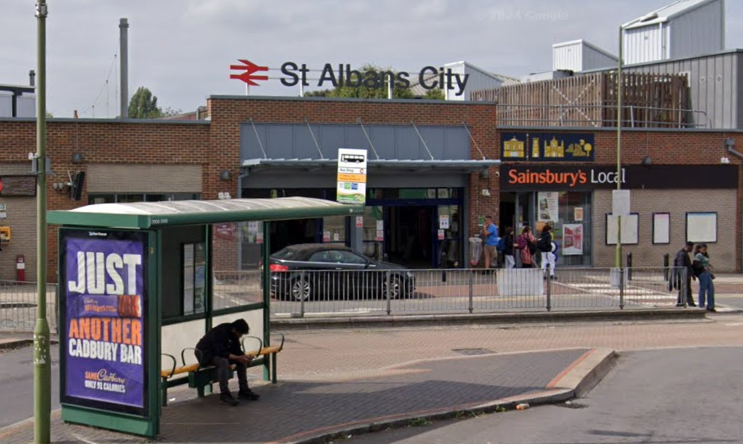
221,348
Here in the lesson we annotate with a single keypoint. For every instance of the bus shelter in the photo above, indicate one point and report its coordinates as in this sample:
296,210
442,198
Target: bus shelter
136,280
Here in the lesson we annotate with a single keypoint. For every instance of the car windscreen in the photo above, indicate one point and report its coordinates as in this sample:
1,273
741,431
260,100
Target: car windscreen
286,254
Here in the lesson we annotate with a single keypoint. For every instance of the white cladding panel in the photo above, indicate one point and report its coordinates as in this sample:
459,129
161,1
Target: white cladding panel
477,80
26,105
700,31
568,56
6,104
643,45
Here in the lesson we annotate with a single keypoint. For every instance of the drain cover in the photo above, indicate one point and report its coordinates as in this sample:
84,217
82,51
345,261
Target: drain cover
472,351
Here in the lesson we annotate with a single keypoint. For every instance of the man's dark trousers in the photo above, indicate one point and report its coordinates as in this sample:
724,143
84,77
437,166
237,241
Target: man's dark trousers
223,373
687,291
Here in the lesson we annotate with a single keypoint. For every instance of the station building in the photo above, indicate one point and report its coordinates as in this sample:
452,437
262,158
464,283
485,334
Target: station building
435,170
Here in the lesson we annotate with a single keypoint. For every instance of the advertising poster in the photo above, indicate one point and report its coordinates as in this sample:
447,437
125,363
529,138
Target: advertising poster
103,329
572,240
578,214
547,210
351,176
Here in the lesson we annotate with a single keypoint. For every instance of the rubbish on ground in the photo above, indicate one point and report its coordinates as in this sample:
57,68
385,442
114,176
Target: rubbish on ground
522,406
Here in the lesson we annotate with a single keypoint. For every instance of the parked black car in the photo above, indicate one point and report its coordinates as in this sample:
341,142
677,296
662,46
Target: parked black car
323,271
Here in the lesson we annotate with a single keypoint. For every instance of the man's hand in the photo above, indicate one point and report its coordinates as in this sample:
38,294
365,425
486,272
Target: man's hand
246,359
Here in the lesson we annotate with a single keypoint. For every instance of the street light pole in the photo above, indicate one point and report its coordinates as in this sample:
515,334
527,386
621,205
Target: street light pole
620,91
42,358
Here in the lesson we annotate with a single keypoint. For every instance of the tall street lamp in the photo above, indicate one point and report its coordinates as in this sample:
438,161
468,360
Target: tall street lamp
42,358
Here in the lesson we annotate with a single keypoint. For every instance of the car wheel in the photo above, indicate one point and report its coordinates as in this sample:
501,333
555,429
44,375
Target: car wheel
301,290
395,288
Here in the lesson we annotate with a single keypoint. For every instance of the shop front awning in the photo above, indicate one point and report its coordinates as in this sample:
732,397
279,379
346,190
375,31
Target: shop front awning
145,215
462,166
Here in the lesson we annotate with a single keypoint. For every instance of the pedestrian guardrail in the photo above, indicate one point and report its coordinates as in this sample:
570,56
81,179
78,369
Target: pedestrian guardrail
18,301
402,291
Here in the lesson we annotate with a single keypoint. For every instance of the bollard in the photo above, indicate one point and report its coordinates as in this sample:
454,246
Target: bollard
621,289
388,294
666,263
471,307
549,288
301,296
629,266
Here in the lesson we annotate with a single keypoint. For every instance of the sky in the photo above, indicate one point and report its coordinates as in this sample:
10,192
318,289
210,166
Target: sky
182,49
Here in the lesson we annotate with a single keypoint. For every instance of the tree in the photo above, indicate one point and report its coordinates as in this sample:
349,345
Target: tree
363,91
143,105
434,94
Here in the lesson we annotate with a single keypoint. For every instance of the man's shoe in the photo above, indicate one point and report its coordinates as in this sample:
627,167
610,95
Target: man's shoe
226,398
712,310
249,395
679,305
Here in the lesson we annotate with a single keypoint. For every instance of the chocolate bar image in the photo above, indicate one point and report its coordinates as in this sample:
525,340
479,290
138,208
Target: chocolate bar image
113,306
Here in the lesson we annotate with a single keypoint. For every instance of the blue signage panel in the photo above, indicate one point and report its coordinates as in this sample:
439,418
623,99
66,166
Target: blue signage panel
549,147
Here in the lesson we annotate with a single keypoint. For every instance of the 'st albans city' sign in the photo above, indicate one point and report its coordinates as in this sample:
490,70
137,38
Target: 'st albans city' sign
342,75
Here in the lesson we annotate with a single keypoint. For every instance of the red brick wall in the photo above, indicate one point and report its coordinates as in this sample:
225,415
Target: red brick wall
683,147
100,142
229,113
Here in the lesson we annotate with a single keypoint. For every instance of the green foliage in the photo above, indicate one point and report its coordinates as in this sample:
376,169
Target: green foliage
364,92
143,105
434,94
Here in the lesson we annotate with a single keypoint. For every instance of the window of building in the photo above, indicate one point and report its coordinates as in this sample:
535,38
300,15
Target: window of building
140,197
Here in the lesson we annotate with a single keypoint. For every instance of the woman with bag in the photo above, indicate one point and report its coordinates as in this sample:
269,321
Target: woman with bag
527,243
706,278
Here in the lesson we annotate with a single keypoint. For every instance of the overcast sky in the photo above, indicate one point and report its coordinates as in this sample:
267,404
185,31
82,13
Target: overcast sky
182,49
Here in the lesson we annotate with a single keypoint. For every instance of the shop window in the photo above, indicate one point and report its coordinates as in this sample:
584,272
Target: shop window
334,229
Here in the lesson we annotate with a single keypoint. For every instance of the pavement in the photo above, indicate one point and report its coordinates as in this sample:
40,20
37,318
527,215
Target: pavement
335,384
310,410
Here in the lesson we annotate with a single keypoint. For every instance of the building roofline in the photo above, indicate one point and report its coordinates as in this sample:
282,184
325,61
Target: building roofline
348,99
118,121
614,129
585,43
679,59
636,23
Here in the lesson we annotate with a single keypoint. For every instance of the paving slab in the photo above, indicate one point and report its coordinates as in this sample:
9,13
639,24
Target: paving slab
300,410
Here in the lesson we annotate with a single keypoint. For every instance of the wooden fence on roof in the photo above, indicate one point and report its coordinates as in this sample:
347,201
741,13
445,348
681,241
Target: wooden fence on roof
648,100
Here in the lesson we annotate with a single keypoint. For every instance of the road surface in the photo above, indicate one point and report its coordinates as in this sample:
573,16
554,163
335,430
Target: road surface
17,384
689,395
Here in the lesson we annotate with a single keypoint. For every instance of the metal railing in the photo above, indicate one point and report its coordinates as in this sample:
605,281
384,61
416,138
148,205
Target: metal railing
600,116
18,301
386,292
371,292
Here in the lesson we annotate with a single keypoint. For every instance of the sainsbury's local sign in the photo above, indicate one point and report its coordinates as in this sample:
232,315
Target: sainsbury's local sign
343,75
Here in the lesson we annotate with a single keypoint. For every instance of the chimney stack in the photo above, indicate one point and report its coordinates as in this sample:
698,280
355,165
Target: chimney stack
124,53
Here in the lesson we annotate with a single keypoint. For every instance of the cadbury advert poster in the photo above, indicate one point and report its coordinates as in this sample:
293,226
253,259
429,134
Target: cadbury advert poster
104,324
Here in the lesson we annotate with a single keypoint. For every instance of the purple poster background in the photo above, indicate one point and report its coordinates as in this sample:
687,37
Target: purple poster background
104,321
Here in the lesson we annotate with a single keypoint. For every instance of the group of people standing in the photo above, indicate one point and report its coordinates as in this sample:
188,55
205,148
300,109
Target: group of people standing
697,268
531,250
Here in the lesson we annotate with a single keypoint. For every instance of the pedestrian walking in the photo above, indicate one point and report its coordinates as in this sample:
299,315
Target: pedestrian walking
490,232
706,278
545,246
527,246
683,262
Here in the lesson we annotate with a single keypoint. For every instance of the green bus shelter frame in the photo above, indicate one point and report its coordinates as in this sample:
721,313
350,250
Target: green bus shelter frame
155,218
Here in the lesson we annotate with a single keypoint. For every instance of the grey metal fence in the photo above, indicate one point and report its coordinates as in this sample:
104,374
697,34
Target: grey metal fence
372,292
18,302
383,292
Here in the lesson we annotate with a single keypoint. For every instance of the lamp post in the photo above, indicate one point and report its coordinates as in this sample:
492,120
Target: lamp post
42,358
620,91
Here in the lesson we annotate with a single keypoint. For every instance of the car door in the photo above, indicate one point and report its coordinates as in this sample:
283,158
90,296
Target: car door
350,274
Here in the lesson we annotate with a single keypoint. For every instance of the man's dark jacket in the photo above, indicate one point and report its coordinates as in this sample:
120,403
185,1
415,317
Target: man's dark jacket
219,342
683,260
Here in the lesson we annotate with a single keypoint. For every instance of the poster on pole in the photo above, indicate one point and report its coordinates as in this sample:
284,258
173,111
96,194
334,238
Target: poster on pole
351,176
547,208
103,310
572,240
